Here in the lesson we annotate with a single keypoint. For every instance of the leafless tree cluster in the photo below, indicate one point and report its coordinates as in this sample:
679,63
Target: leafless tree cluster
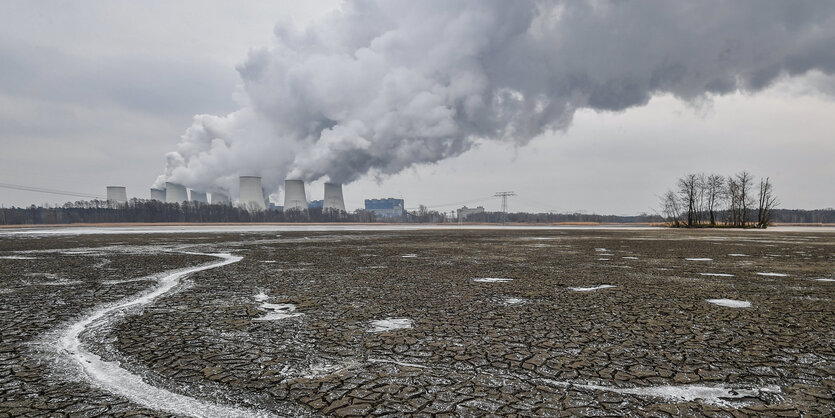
714,200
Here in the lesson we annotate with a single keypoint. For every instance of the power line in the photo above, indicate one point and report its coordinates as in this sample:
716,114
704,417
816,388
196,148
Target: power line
463,202
47,191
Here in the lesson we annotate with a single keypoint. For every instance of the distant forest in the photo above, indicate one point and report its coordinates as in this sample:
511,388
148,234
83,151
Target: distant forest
150,211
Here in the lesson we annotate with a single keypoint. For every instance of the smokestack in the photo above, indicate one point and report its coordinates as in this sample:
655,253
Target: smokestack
333,197
118,194
294,196
175,193
199,197
252,195
158,194
220,199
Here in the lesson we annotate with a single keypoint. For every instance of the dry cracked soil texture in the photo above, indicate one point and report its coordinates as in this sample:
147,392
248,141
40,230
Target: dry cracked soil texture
534,345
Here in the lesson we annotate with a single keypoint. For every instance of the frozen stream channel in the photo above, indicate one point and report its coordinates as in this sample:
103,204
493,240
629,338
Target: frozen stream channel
110,376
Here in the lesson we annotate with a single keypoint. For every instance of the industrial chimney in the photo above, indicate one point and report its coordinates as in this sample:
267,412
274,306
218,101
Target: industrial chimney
175,193
158,194
252,195
294,196
333,197
118,194
220,199
199,197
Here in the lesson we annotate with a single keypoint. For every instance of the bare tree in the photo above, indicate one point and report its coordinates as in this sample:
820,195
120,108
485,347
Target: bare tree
671,209
715,191
688,192
746,183
767,202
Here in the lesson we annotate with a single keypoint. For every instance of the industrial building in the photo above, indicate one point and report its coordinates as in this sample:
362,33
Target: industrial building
294,195
199,197
118,194
158,194
464,212
333,198
220,199
175,193
386,208
315,204
252,195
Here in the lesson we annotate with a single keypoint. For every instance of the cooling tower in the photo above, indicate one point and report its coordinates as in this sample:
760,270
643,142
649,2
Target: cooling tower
333,197
175,193
294,197
158,194
220,199
199,197
117,194
252,196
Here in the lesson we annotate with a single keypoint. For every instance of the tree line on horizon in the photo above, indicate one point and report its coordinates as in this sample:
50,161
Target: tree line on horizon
735,201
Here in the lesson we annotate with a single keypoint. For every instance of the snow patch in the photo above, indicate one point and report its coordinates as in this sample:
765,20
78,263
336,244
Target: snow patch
279,311
717,274
589,289
17,257
399,363
513,301
629,257
730,303
719,395
738,255
260,297
390,324
699,259
825,280
773,274
492,280
268,261
409,255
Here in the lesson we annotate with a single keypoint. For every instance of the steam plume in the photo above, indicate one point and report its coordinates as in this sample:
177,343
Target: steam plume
377,87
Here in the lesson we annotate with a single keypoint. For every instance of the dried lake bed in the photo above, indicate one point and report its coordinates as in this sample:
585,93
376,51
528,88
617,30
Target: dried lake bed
382,321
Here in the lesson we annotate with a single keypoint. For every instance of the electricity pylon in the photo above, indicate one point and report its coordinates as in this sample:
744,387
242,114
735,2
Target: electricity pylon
504,196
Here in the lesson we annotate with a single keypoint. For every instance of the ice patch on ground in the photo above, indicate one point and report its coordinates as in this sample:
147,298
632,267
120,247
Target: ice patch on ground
730,303
589,289
738,255
601,250
389,324
492,280
719,395
17,257
409,255
399,363
268,261
260,297
717,274
513,301
698,259
603,259
279,311
629,257
773,274
825,280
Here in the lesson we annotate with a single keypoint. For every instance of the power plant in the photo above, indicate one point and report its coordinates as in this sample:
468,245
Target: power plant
158,194
294,196
252,195
118,194
220,199
175,193
199,197
333,197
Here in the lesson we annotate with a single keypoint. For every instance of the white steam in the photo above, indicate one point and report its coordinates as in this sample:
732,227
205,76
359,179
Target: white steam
378,87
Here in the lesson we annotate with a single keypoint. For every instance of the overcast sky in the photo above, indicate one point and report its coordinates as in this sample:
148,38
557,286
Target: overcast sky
98,93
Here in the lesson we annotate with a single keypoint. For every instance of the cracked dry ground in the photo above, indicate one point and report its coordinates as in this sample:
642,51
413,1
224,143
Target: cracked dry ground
470,351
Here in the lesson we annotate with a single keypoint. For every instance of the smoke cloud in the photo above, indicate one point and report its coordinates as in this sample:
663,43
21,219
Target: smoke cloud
377,87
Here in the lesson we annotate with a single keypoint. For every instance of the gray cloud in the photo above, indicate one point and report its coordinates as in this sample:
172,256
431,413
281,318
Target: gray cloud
380,87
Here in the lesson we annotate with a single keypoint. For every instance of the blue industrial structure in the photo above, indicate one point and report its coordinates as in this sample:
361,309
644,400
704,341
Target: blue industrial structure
315,204
386,208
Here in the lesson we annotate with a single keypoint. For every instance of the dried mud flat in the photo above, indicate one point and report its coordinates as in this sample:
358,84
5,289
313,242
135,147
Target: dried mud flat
582,322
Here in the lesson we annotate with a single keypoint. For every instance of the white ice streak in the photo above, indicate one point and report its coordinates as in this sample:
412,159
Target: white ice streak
492,280
825,280
513,301
730,303
715,395
110,376
717,274
699,259
738,255
409,255
260,297
390,324
772,274
17,257
589,289
629,257
399,363
279,311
